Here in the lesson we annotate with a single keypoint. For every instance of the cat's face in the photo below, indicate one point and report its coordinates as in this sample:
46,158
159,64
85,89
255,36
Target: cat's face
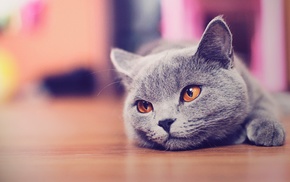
182,99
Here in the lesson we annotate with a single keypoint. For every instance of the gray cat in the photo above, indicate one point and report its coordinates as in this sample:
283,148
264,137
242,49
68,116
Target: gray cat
184,97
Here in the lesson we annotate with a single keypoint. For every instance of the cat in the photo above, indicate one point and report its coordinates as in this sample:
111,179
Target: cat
184,97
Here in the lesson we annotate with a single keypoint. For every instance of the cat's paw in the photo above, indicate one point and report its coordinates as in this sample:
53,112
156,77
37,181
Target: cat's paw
265,133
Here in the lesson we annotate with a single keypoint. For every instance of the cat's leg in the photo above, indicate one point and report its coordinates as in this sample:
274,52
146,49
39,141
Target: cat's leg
262,125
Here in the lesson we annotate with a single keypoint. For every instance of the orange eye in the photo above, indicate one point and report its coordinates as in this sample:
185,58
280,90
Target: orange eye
144,106
190,93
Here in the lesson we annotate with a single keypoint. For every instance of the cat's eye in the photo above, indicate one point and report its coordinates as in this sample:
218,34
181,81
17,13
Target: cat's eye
190,93
144,106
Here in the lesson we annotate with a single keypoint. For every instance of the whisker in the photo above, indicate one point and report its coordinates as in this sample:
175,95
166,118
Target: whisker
110,84
196,129
194,124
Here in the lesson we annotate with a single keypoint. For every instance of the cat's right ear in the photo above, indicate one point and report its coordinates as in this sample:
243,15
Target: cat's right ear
124,62
216,43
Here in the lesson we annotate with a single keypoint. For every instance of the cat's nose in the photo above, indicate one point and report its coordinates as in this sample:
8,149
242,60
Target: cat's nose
166,124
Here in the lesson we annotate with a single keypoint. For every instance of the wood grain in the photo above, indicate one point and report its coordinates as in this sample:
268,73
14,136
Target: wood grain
83,140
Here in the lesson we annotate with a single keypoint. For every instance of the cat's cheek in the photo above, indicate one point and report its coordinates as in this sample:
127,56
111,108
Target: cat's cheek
157,134
177,129
161,139
136,120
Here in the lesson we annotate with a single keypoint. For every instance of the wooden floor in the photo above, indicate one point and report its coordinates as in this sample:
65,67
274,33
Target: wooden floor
83,140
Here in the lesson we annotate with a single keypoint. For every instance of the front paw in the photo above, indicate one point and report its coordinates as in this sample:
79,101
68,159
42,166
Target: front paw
265,133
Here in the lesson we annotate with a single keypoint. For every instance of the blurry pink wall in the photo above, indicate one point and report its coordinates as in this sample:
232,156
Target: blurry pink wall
184,19
72,33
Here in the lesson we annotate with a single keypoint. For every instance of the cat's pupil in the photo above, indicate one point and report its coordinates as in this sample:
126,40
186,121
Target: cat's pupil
189,92
145,104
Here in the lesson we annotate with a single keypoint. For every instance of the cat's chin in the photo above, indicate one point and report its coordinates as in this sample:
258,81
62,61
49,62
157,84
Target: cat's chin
165,142
171,144
179,144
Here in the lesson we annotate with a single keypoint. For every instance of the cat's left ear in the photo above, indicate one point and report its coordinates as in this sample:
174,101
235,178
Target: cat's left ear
124,63
216,43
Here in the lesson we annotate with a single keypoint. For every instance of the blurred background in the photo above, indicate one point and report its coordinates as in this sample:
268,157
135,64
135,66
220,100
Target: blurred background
61,47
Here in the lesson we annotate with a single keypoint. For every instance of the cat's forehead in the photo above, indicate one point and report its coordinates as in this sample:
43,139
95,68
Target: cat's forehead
164,75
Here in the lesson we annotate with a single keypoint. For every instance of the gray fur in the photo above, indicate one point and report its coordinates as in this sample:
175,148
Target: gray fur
231,108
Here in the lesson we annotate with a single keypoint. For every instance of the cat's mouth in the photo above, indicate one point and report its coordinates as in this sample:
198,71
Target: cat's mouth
177,143
169,142
171,137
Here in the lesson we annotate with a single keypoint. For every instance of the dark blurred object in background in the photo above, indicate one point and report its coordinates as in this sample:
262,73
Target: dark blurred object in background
135,23
79,82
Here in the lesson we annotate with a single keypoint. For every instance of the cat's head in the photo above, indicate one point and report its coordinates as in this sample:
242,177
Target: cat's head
183,98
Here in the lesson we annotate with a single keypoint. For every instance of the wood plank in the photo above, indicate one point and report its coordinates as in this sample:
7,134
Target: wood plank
84,140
